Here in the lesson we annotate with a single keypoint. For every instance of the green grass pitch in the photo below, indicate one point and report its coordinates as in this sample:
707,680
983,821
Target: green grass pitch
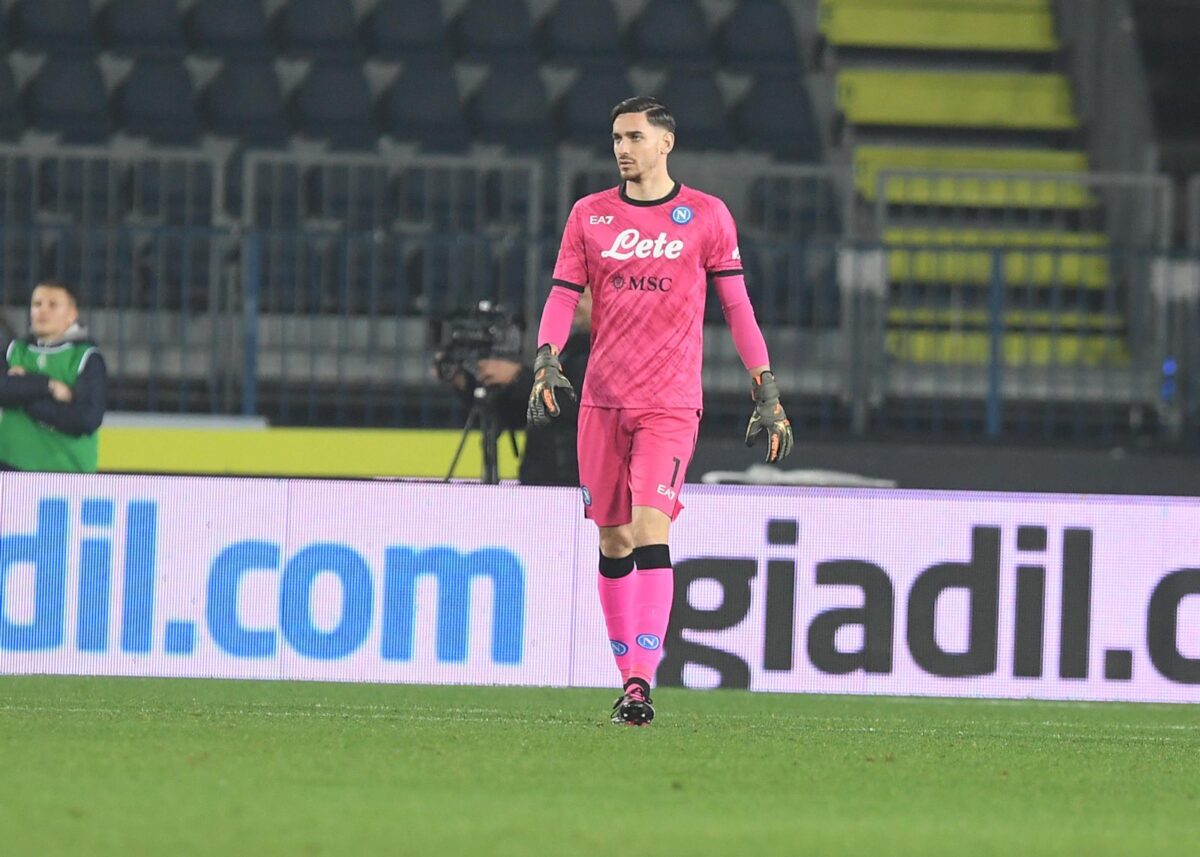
95,766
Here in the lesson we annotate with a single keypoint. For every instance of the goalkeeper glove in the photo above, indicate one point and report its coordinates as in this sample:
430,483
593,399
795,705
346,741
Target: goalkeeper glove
548,382
769,417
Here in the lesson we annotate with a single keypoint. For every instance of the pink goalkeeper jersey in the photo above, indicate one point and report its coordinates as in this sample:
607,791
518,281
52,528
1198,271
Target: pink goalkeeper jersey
648,266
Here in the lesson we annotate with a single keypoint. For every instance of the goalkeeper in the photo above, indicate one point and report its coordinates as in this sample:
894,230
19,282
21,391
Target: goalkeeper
646,250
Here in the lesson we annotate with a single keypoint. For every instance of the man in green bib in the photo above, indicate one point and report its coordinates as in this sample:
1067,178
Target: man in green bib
52,389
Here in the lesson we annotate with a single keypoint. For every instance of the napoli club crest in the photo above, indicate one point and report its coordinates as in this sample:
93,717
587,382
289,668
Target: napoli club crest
681,214
587,496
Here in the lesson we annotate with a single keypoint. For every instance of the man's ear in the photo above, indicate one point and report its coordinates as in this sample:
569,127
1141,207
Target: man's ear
668,143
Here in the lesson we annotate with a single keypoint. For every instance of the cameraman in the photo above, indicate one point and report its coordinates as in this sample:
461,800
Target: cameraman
550,456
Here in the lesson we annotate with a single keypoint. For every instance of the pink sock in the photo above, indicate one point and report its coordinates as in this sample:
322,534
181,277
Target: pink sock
617,585
655,592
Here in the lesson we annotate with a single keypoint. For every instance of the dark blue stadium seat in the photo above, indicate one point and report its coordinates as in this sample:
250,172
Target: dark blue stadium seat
68,97
759,37
245,102
230,28
157,101
143,28
406,30
10,114
582,32
334,103
699,109
583,112
318,29
424,106
62,27
670,33
494,30
511,108
775,116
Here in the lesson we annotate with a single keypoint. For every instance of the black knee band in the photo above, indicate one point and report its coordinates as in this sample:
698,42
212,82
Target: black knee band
652,556
616,568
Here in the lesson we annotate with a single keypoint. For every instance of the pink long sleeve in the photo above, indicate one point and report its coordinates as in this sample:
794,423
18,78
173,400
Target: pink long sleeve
739,315
557,316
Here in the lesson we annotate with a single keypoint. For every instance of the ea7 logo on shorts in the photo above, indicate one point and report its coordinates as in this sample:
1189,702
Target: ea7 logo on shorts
604,219
648,641
630,243
667,491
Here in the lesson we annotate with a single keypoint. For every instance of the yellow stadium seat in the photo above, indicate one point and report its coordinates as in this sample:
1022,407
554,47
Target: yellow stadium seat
980,25
1023,191
957,99
948,348
965,257
978,319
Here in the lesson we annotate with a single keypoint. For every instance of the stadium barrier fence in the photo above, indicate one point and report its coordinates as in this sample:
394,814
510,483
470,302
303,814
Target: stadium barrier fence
1006,303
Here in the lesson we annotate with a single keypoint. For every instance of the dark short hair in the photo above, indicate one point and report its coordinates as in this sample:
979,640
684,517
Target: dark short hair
657,113
58,284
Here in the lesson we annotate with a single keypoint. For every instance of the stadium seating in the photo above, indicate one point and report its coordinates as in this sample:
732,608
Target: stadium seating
245,102
68,98
143,28
956,99
775,116
582,32
10,116
670,33
334,103
157,101
61,27
964,257
423,105
511,108
235,29
323,30
495,31
1006,25
870,160
406,30
583,112
243,60
699,109
759,36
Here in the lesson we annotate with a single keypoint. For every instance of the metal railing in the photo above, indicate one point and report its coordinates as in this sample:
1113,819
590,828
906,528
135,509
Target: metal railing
782,202
1131,209
1053,309
96,186
158,299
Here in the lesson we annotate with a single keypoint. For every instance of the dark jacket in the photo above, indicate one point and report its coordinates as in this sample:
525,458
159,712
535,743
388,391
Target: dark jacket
551,456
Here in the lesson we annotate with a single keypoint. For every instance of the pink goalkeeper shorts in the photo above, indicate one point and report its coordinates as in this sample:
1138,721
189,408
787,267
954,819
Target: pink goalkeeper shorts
633,457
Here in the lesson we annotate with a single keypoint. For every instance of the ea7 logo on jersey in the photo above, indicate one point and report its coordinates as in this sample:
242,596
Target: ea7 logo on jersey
630,243
605,219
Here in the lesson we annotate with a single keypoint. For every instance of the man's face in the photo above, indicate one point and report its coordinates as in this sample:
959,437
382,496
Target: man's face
639,146
51,311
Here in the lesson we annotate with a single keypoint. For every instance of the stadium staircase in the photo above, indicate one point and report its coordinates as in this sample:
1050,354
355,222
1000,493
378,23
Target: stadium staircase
964,138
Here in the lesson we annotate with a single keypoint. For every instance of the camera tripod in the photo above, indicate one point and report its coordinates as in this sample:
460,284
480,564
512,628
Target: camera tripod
483,414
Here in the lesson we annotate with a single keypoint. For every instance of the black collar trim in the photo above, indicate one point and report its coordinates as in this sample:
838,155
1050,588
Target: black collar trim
648,202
